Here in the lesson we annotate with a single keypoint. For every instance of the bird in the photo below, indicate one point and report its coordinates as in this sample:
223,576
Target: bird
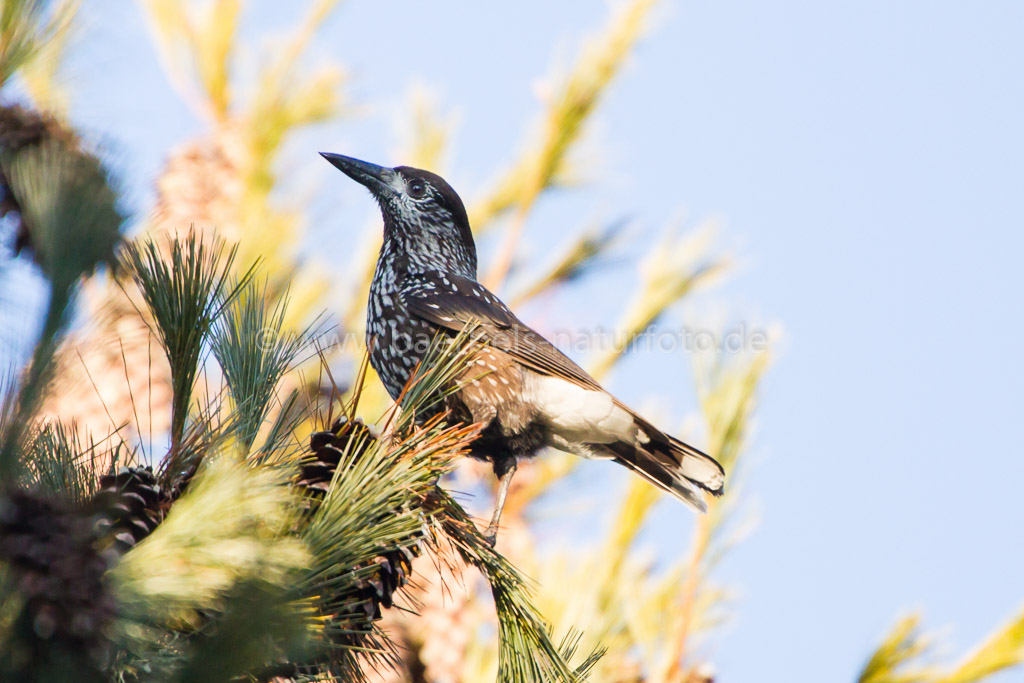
524,393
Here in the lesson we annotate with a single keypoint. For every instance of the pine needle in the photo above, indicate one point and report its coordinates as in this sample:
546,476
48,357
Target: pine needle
255,351
583,255
672,270
26,33
40,73
229,527
1003,650
521,629
545,164
186,291
67,469
70,212
68,207
889,662
541,164
897,657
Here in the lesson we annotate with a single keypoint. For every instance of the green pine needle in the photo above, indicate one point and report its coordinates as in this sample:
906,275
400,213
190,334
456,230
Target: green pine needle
258,628
371,509
521,627
522,630
62,465
281,439
255,350
186,290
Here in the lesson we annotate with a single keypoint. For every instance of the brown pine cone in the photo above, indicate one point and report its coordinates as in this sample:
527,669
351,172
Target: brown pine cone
56,568
327,448
393,568
129,505
385,574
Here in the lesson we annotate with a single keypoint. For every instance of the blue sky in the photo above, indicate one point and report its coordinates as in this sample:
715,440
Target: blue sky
867,160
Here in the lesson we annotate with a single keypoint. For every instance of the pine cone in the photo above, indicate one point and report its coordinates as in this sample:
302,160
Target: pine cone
55,566
393,568
203,185
393,571
130,504
327,449
386,573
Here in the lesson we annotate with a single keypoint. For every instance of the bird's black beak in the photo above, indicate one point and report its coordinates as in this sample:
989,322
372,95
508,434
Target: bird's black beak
378,179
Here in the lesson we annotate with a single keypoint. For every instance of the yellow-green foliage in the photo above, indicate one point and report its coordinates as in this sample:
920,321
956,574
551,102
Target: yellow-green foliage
31,35
902,657
229,528
197,45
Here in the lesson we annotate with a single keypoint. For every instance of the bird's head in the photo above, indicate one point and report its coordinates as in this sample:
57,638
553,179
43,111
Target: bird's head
422,213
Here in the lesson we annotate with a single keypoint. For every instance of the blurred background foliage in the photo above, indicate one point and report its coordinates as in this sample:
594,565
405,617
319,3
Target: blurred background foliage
125,373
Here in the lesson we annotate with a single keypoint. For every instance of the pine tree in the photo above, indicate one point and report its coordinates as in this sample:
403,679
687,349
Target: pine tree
280,534
137,574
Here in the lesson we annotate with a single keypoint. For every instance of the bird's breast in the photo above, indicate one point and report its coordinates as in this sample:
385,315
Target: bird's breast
397,341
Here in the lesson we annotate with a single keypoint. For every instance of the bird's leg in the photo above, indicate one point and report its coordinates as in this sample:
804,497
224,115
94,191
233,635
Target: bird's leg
504,468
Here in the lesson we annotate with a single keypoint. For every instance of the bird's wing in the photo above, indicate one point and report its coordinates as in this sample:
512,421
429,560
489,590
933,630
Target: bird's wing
454,302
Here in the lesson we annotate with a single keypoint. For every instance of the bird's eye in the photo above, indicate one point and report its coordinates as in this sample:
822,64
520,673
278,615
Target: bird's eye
417,189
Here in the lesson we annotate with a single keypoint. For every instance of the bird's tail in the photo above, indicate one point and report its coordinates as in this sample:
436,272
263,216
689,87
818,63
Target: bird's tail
671,465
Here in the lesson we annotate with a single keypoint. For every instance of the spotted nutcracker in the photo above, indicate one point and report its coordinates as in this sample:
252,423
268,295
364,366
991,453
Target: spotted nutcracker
525,392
